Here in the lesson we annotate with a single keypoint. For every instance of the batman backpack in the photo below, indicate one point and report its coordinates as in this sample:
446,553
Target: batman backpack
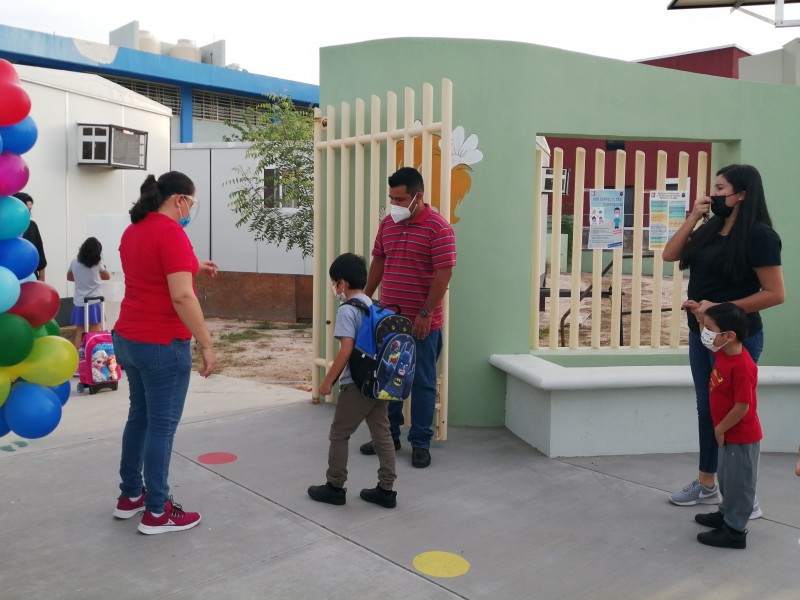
384,358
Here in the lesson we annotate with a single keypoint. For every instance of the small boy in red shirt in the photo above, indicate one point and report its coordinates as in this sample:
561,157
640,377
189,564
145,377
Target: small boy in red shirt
732,395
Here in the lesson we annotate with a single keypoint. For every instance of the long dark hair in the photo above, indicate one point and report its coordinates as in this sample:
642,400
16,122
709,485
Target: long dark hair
89,252
752,210
153,193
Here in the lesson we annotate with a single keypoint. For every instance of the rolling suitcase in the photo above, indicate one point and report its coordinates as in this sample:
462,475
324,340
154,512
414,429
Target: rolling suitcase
97,362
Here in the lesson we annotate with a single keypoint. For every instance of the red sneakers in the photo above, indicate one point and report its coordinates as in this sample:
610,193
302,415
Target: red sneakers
127,508
173,519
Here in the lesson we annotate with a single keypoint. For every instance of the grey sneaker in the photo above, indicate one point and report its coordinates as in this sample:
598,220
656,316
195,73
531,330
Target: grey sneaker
696,493
757,512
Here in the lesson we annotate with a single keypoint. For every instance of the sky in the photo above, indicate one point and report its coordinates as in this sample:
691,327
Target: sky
282,39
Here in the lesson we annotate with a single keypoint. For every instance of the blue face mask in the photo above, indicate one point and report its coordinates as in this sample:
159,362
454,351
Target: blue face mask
184,221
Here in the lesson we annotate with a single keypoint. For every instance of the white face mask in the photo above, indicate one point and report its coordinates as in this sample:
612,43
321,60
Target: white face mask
707,337
401,213
338,295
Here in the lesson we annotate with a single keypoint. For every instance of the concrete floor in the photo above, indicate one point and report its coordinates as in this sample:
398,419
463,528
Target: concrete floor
530,527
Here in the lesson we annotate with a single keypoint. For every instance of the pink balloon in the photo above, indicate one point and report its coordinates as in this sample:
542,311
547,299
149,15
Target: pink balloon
7,72
13,174
16,104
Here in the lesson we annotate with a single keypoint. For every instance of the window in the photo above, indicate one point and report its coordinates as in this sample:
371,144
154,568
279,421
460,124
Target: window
112,146
168,95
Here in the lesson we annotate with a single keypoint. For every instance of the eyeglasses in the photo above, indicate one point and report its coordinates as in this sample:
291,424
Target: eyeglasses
192,198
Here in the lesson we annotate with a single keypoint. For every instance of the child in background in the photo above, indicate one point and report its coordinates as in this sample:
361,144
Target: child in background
87,271
732,394
348,274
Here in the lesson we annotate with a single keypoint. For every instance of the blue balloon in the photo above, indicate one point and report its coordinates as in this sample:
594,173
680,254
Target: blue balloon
19,137
32,411
9,289
62,391
19,256
4,428
14,217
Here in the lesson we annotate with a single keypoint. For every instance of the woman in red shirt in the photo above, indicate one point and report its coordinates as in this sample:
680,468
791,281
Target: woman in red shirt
159,315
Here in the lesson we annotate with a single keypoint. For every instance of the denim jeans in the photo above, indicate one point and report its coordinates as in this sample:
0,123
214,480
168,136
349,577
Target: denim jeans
158,377
423,394
701,361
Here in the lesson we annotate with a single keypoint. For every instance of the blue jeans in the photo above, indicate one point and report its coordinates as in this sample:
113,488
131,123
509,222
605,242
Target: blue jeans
158,376
701,361
423,394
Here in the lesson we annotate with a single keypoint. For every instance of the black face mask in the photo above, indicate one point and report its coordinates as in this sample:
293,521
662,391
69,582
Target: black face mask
719,208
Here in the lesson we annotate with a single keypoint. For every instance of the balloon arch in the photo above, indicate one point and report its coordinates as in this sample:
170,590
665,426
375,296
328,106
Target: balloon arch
36,363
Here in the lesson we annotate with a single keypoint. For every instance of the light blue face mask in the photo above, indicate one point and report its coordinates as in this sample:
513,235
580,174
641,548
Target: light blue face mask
184,221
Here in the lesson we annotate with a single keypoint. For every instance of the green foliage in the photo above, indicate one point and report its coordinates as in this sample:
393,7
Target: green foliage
282,138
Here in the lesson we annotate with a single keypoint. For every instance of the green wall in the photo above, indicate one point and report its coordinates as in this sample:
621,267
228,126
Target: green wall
507,93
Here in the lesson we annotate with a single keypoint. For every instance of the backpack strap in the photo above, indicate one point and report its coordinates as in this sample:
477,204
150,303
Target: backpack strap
358,304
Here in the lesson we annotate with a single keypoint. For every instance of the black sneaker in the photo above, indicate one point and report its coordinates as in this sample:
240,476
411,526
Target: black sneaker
369,447
420,457
328,493
380,496
714,520
724,537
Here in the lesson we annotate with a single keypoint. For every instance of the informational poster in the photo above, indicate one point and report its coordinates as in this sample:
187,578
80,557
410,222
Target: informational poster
667,213
606,210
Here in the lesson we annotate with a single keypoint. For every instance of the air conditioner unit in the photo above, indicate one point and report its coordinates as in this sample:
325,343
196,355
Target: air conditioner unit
112,146
547,181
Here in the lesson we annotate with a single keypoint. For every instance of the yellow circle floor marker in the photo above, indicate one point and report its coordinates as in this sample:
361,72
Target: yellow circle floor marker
441,564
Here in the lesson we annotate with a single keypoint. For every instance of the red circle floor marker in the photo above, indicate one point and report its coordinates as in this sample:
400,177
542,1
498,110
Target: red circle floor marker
217,458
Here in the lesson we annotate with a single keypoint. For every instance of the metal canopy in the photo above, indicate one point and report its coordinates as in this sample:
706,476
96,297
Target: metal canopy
778,21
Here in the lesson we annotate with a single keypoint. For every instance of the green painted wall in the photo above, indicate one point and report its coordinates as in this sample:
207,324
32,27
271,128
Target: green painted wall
507,93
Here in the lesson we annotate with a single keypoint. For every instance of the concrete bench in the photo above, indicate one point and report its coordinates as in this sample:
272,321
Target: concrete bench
596,411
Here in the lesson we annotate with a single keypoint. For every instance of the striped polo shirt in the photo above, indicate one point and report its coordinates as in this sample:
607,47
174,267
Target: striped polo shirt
413,250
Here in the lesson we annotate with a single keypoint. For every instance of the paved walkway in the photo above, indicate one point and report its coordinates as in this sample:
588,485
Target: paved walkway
528,526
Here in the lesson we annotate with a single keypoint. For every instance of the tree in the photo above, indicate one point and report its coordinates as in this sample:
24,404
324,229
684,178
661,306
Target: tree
276,198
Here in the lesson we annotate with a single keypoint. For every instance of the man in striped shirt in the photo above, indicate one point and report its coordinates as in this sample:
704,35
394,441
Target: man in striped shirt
412,260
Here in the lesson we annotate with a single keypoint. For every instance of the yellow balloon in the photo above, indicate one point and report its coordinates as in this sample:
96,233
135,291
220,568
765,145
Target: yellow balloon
52,361
5,385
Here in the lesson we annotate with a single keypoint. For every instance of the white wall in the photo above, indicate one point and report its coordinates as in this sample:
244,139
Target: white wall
214,234
66,195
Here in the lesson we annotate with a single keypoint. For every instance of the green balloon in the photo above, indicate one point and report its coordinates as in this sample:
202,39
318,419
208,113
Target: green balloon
52,328
16,339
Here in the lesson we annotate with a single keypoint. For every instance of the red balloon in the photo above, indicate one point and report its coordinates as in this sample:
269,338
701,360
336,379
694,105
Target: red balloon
38,303
14,173
16,104
7,72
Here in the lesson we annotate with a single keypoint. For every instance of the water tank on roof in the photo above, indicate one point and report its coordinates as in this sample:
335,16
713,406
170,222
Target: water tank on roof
185,50
148,42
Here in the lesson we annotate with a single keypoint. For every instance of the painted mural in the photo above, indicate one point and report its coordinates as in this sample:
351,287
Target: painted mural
464,154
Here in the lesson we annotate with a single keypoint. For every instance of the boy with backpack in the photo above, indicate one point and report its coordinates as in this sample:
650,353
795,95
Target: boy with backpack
348,274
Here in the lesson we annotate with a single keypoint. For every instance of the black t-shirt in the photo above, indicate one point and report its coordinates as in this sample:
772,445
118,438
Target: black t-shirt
707,281
34,237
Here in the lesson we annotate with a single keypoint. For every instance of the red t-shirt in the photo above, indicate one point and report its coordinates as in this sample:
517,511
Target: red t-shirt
734,379
413,250
150,250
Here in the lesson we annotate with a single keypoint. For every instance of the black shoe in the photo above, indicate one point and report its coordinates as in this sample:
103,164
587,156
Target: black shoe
713,520
328,493
369,447
380,496
724,537
420,457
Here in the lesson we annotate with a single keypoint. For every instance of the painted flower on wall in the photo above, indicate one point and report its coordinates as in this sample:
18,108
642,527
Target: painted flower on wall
464,154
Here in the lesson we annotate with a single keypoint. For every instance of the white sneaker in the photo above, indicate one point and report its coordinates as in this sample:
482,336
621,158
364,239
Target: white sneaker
757,513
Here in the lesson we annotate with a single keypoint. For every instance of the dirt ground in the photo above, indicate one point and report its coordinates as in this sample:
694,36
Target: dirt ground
268,352
585,321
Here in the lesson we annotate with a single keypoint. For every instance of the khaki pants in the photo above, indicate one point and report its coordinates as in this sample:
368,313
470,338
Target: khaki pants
351,409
